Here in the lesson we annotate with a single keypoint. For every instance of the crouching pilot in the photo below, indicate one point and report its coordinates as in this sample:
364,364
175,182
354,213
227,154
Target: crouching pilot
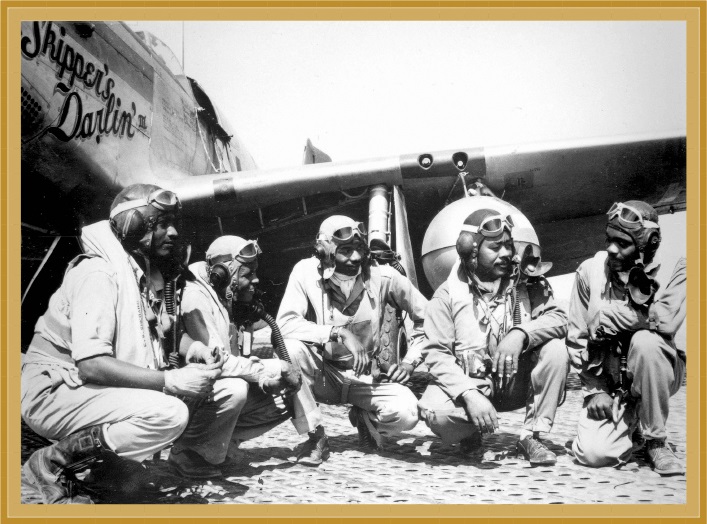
494,341
94,378
243,405
331,316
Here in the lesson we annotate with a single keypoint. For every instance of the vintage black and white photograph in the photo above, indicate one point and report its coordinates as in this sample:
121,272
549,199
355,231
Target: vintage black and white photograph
354,262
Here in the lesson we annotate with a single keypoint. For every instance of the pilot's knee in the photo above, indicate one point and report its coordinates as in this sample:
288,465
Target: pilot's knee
554,353
408,418
231,392
296,349
300,355
172,416
645,351
401,413
596,452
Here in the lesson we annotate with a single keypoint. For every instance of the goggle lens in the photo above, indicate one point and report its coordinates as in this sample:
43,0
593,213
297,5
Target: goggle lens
250,251
628,215
164,200
492,226
347,233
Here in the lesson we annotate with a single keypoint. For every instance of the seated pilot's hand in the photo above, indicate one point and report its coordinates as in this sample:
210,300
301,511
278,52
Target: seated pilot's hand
194,380
599,406
291,378
399,373
360,357
288,383
505,360
480,411
200,353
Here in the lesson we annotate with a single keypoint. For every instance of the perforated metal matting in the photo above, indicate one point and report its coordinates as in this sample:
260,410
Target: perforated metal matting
418,468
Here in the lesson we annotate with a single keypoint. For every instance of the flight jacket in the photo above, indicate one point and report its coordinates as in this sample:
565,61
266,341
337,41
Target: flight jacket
599,298
454,324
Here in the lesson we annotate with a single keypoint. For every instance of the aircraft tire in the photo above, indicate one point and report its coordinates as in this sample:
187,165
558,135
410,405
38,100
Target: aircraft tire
393,338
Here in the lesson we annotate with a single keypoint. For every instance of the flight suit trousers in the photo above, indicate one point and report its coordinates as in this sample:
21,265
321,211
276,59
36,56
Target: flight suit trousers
657,372
391,408
137,423
538,384
240,411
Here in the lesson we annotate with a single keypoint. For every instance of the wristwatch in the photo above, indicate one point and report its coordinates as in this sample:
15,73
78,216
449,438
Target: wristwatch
335,334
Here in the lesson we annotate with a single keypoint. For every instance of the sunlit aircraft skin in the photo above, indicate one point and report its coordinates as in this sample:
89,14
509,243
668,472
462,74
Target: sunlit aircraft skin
124,113
102,109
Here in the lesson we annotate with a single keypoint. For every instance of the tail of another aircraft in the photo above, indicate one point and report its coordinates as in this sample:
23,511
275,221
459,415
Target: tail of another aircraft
314,155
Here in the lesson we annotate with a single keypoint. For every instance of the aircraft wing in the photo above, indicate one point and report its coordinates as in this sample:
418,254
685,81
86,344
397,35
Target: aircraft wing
563,188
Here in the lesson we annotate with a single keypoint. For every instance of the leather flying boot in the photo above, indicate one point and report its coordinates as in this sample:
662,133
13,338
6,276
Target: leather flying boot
638,440
663,459
472,446
51,471
366,439
190,464
316,449
117,480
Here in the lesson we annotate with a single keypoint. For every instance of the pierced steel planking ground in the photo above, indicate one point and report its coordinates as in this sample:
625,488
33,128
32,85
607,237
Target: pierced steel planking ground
418,468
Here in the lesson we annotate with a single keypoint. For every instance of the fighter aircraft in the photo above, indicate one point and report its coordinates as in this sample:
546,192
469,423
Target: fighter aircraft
104,107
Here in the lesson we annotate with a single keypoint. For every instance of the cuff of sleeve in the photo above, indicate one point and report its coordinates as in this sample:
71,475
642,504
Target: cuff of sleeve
526,345
593,390
323,333
457,390
91,350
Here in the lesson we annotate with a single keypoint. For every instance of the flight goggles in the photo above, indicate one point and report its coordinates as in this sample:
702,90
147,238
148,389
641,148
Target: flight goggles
491,226
345,234
248,253
161,199
629,216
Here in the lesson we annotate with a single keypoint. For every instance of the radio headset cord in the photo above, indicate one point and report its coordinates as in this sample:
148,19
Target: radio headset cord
174,311
251,311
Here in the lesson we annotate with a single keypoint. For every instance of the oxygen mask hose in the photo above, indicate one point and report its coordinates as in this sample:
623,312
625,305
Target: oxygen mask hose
250,311
247,311
382,254
277,339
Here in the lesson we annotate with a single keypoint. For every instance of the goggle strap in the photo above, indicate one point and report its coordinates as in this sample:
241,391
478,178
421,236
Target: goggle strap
475,229
125,206
151,200
470,228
